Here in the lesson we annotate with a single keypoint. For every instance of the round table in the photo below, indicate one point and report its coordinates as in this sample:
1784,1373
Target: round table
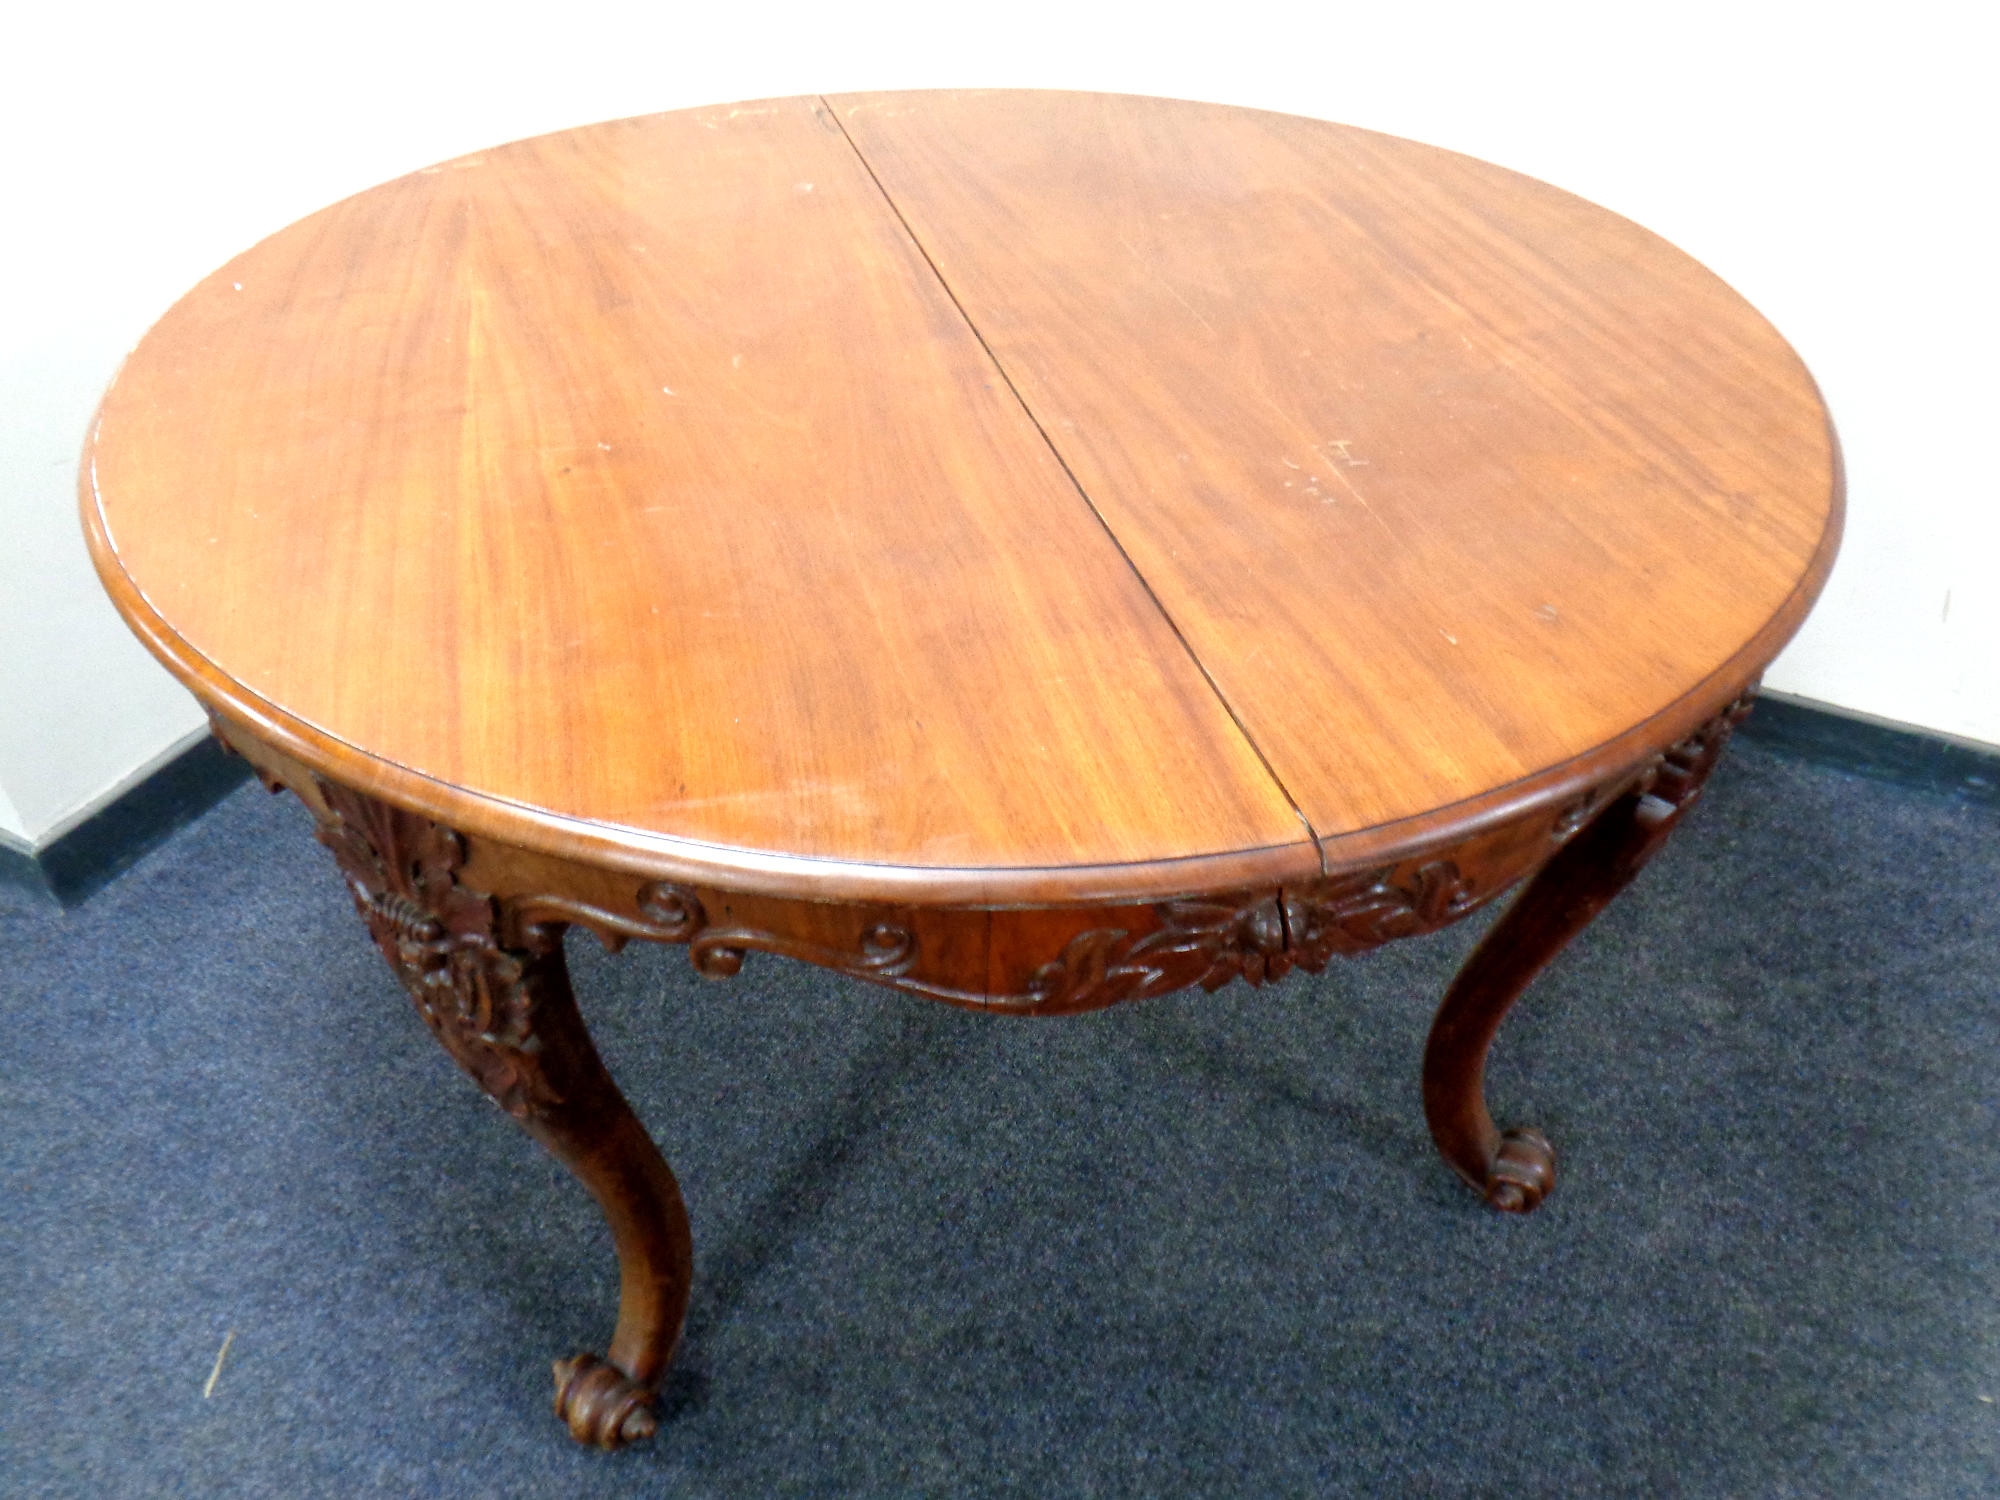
1030,550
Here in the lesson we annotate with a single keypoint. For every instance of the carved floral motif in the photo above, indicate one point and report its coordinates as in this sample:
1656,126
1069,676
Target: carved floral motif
1199,942
1257,938
477,997
1353,914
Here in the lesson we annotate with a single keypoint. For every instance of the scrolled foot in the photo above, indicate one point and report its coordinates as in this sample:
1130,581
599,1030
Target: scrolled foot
1523,1172
602,1405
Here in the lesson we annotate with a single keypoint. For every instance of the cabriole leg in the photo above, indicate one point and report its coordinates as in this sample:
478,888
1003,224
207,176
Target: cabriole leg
1515,1170
495,992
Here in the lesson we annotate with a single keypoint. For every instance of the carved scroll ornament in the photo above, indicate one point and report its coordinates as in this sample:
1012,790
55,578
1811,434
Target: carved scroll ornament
1672,783
672,913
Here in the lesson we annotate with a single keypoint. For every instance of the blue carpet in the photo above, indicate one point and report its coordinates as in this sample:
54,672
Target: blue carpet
1198,1245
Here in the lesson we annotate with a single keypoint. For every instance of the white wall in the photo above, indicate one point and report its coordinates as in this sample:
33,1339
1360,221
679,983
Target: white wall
1835,165
12,829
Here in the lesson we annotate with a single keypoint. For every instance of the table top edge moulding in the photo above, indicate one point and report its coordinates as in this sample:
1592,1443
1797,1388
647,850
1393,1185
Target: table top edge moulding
1032,551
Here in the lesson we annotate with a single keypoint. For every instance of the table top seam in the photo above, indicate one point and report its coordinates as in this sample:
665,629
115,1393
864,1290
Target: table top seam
1076,484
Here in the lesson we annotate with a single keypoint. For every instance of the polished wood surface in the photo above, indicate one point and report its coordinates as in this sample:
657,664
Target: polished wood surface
1034,552
1448,477
645,476
648,494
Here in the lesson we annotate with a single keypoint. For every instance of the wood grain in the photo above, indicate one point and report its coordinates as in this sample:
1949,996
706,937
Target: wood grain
643,476
650,495
1448,477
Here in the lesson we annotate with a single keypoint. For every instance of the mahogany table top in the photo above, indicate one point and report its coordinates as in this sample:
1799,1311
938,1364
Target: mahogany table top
979,498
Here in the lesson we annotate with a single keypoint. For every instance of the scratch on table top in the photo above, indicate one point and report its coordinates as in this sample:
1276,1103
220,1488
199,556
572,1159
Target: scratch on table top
1338,470
1172,290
